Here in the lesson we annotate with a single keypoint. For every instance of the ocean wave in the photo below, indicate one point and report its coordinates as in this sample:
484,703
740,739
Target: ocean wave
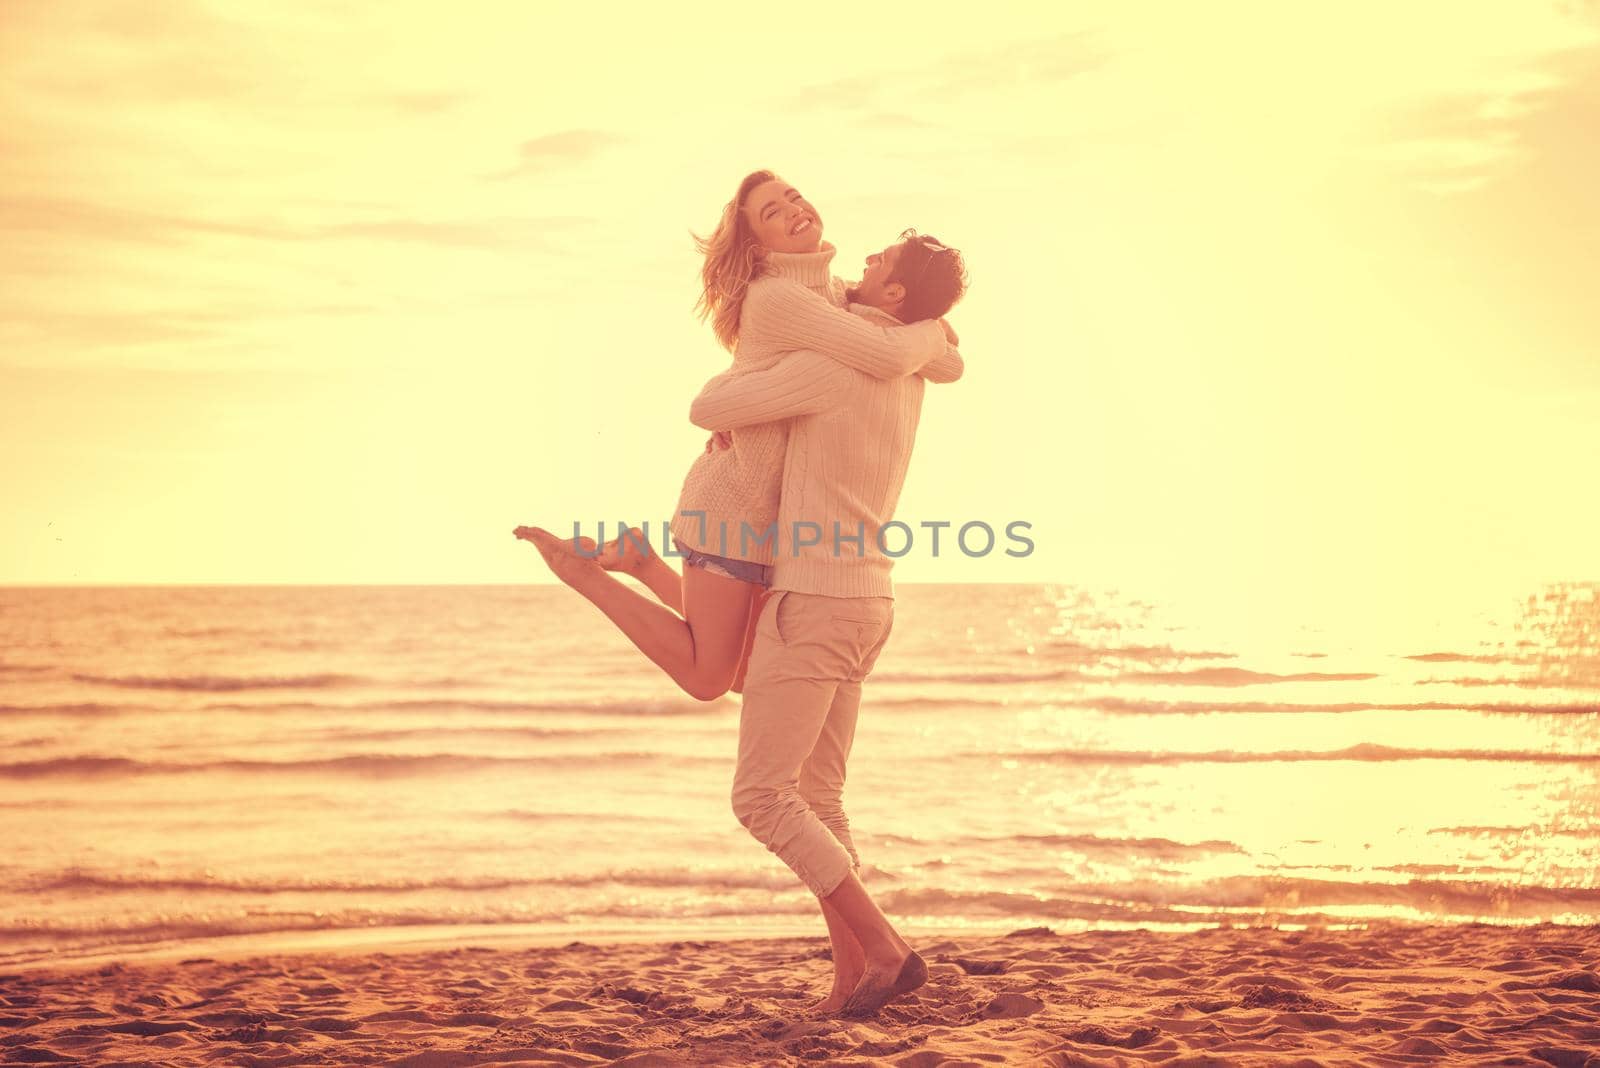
1141,706
1362,751
1197,903
1519,831
1209,676
1085,653
1145,848
222,683
81,708
645,707
882,699
986,677
341,734
1231,676
383,765
56,940
1587,679
1249,893
119,933
78,878
536,816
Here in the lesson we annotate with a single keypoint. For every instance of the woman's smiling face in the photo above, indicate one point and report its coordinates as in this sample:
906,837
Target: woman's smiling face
782,219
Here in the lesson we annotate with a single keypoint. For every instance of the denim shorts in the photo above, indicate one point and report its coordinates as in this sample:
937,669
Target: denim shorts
743,570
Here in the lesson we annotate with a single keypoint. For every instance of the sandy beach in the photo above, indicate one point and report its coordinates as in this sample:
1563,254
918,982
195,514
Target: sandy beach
1475,994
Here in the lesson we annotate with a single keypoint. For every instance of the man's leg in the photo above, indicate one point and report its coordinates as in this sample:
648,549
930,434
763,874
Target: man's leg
849,962
823,773
891,967
822,776
822,786
799,659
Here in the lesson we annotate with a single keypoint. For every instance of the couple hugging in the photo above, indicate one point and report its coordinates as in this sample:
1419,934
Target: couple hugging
813,426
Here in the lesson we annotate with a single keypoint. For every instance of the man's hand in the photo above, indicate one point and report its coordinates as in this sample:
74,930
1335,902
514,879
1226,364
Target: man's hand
949,333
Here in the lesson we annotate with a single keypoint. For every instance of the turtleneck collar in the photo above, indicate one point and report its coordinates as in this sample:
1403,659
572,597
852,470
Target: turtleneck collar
808,268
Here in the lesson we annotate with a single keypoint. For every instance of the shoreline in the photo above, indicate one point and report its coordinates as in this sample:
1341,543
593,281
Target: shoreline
345,941
392,939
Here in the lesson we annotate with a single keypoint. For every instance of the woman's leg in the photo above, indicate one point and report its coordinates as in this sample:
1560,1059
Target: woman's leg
756,602
700,651
661,580
630,553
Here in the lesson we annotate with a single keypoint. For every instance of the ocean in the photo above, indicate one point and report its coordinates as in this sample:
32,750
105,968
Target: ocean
187,764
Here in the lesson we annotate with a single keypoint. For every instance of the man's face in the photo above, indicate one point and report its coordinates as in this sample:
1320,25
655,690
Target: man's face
875,288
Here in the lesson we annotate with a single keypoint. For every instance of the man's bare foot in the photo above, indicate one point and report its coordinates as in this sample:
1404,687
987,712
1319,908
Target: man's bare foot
845,978
569,566
884,980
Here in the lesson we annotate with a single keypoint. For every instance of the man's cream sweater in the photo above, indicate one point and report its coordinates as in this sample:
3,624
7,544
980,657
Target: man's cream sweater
798,307
850,440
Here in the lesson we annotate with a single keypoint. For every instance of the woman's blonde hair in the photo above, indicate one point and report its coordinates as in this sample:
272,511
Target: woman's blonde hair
734,259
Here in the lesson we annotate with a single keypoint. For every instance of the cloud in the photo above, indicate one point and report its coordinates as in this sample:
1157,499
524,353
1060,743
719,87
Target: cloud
21,324
860,92
892,120
1507,186
95,330
512,232
909,91
1460,142
60,216
86,218
558,150
129,392
424,103
1583,9
168,53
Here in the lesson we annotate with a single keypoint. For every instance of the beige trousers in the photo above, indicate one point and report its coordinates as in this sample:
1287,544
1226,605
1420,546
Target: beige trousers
802,691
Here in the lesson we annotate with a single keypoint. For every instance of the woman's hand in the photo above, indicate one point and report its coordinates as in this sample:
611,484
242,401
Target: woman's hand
719,439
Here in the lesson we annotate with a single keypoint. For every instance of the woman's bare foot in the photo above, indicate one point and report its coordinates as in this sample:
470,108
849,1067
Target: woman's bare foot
627,552
885,979
568,565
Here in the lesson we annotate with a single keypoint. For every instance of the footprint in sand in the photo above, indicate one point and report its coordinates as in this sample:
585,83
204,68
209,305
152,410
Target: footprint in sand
1011,1006
1579,980
149,1027
1095,1035
1420,1047
1258,997
330,1024
979,966
568,1006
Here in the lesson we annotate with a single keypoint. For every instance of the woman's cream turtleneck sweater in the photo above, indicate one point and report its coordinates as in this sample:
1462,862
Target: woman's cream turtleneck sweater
797,305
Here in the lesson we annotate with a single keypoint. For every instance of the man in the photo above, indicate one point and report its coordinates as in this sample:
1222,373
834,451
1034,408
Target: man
831,606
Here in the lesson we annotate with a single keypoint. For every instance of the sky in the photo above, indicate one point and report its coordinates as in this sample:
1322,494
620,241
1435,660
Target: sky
1270,305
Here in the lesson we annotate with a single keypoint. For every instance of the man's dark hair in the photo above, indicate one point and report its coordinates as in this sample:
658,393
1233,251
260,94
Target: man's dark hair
934,276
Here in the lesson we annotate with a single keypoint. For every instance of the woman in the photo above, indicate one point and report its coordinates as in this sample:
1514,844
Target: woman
767,290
